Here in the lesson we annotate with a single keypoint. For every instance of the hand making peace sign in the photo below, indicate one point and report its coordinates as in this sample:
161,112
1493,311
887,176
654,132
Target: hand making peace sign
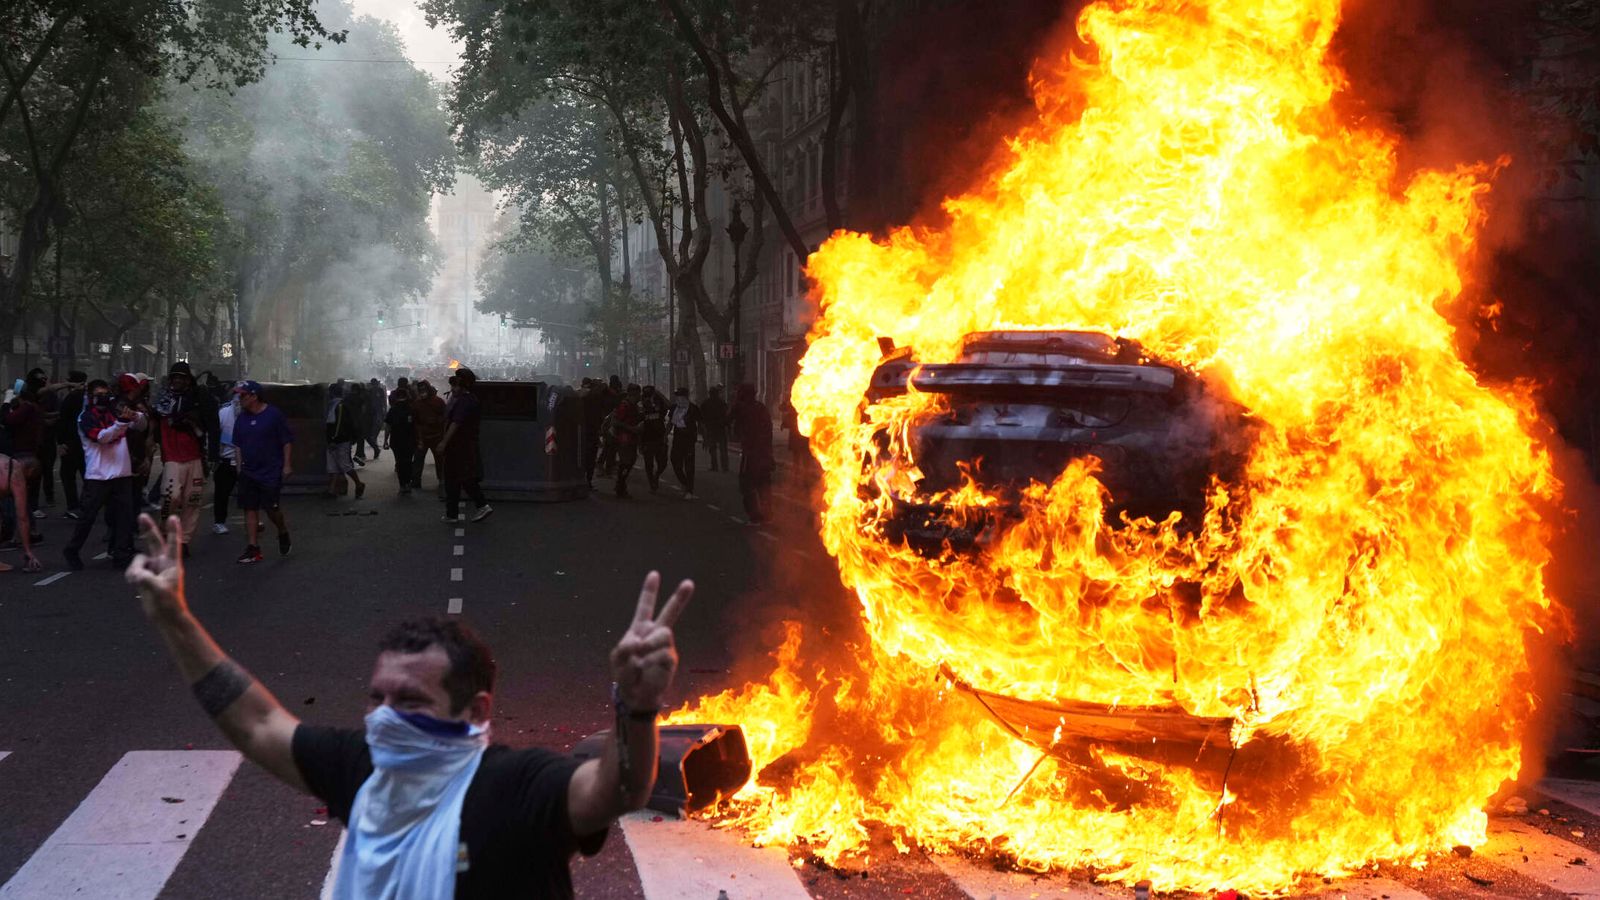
645,659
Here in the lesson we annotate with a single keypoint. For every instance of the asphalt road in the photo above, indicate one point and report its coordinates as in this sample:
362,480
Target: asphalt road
84,679
85,685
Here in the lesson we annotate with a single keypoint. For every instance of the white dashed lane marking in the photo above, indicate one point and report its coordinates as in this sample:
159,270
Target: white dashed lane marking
461,532
43,582
453,606
455,574
460,550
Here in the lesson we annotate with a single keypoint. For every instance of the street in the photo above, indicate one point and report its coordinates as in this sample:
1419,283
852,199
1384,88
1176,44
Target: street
100,742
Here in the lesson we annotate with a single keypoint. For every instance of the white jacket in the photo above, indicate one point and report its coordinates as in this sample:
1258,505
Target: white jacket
105,447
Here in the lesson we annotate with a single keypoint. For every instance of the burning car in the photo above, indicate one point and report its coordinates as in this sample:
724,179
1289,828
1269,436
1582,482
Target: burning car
1016,407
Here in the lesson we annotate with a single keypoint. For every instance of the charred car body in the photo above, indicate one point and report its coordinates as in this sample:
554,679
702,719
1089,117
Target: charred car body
1017,407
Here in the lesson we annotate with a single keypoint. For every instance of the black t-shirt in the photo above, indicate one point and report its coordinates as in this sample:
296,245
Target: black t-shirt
514,819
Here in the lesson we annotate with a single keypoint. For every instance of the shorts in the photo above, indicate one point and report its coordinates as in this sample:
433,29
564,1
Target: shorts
255,495
339,462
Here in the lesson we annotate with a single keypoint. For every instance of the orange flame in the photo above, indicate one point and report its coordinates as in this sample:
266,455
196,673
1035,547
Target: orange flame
454,364
1370,585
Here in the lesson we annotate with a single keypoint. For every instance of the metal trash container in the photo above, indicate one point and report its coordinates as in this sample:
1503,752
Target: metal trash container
530,441
305,407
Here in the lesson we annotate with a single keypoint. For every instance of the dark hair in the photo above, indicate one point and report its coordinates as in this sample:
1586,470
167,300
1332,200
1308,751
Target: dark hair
75,375
472,667
96,385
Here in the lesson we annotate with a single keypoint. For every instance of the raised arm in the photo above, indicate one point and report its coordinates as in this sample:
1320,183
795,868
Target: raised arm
643,664
251,718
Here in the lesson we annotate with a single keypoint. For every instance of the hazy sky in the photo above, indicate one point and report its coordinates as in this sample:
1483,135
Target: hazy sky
431,49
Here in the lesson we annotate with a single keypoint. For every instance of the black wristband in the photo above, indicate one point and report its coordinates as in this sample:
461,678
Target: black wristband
624,711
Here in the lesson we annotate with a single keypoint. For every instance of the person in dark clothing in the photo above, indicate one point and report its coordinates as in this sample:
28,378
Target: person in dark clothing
653,435
377,411
714,427
25,421
433,808
625,425
685,421
68,449
608,444
356,409
754,426
49,399
597,403
343,428
463,469
402,427
429,414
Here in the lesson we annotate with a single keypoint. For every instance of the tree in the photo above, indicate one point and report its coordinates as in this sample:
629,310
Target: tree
327,170
620,58
60,56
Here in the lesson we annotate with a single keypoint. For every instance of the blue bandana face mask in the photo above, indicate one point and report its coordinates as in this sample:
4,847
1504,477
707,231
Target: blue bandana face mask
414,742
405,823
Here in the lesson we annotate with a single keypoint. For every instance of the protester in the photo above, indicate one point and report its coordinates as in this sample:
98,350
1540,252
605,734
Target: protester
402,430
596,402
799,448
68,448
714,425
685,432
355,408
48,397
262,442
432,808
343,430
429,413
608,443
625,426
105,427
754,425
133,393
183,416
224,463
14,490
377,411
25,423
653,435
459,450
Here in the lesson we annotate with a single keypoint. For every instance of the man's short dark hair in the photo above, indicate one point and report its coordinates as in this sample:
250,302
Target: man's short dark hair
77,377
472,667
96,385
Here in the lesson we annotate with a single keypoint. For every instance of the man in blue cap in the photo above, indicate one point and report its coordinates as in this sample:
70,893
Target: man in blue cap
262,442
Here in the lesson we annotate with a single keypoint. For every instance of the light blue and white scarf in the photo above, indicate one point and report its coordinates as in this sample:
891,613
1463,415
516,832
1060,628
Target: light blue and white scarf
405,824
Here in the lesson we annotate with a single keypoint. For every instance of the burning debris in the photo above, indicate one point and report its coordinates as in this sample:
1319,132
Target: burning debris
1281,623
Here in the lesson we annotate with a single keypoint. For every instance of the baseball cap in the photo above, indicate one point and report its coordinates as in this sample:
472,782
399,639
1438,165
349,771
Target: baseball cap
248,387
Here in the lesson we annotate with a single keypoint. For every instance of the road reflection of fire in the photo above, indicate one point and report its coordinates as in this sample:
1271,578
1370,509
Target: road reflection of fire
1359,605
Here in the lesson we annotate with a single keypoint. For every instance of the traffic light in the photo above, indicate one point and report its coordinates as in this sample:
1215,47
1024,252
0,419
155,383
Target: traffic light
380,316
296,360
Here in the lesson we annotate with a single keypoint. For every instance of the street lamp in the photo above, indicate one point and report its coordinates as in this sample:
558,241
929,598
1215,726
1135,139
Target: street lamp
736,233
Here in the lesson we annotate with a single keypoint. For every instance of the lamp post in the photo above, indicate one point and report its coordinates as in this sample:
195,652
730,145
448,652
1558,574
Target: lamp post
736,233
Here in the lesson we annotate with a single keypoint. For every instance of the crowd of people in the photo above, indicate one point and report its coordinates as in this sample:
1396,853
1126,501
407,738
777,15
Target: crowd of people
110,449
624,424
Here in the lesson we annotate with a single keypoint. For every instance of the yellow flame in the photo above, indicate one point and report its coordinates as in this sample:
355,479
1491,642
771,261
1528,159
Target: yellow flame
454,364
1371,585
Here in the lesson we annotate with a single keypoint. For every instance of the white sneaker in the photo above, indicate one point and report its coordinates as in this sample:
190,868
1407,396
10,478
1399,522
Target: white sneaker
689,495
483,512
219,528
457,520
39,514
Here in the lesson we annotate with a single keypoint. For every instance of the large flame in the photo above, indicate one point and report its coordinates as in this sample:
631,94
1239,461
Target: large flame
1370,585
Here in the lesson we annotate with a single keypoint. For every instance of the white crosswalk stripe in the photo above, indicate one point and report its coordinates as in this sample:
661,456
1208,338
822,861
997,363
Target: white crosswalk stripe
126,838
680,860
128,835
